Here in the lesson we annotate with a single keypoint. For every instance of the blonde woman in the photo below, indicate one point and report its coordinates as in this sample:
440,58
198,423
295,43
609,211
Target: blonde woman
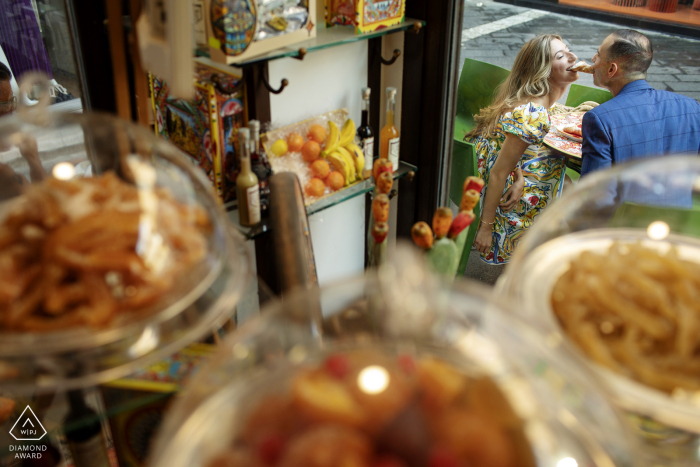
522,177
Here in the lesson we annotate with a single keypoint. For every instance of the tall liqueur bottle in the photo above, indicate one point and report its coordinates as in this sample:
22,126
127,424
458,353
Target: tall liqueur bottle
389,137
84,434
365,133
247,187
260,164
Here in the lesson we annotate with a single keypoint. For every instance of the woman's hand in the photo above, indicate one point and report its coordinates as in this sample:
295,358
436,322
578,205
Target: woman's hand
514,192
30,152
483,239
27,147
506,162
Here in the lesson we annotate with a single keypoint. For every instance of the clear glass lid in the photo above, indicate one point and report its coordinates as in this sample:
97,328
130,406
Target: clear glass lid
113,250
391,367
612,269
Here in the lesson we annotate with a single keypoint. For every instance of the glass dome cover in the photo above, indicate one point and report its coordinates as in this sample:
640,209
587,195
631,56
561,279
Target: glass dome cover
396,313
641,223
115,251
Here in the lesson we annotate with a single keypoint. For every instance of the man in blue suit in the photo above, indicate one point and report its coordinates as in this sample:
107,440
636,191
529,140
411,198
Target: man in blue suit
639,121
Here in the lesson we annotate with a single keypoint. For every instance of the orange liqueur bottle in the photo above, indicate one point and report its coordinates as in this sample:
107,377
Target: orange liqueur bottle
389,136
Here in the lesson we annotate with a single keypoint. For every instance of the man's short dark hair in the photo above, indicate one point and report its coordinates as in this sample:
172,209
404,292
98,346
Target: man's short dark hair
5,74
634,48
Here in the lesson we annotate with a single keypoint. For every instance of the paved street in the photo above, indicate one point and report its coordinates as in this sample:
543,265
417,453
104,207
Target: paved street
676,65
495,32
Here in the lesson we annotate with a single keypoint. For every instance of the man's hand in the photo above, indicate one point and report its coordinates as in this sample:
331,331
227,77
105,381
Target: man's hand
484,238
514,193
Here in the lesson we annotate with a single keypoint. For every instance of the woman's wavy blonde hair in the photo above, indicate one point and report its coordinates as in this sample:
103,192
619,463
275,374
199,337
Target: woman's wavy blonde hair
527,79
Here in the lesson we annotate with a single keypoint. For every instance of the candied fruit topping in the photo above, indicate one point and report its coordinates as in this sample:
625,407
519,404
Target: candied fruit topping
337,365
271,447
325,399
440,382
389,461
367,408
407,364
443,458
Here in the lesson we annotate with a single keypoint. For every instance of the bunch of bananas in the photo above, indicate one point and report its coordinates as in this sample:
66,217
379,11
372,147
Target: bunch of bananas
345,156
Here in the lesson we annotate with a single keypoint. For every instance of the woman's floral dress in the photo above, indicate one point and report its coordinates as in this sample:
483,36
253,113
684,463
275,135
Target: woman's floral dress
543,172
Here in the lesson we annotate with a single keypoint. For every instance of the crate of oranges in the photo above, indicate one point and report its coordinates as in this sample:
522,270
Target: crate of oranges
321,151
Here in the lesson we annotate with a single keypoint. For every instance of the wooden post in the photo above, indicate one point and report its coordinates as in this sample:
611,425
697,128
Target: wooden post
122,90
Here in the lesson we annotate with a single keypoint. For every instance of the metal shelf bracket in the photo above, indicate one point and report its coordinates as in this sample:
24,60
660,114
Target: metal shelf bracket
392,60
283,84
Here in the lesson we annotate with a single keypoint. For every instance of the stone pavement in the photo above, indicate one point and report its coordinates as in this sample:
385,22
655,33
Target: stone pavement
495,32
676,65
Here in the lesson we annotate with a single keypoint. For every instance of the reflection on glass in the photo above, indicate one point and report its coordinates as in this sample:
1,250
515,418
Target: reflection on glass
567,462
35,37
146,343
658,230
63,171
240,351
373,379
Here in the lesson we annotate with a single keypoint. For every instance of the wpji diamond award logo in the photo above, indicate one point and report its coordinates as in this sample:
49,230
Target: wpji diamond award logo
28,428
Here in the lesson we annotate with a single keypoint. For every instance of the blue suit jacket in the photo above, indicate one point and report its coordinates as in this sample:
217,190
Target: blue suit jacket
639,122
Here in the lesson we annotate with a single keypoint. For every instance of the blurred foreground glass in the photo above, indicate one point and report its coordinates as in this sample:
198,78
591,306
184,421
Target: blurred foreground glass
398,311
634,213
114,251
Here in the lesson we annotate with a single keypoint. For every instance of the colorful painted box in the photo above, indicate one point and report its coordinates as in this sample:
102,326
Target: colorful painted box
238,30
340,12
371,15
135,405
206,128
365,15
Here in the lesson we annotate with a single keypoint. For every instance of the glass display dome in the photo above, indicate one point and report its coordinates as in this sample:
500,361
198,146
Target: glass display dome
375,362
612,269
114,251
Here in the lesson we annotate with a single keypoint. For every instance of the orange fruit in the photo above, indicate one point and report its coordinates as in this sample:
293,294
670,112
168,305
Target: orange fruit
310,151
295,142
315,187
320,168
335,181
317,133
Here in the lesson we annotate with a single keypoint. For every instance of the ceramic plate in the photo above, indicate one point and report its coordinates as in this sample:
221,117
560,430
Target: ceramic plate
559,122
568,147
563,142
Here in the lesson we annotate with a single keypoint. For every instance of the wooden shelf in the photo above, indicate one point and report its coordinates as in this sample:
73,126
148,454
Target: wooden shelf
326,202
325,38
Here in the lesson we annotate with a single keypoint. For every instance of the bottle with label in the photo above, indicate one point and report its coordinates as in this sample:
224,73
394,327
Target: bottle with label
365,132
260,164
86,441
389,137
247,187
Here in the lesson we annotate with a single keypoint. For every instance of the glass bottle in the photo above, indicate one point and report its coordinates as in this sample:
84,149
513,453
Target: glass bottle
389,137
247,187
260,164
84,434
365,133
